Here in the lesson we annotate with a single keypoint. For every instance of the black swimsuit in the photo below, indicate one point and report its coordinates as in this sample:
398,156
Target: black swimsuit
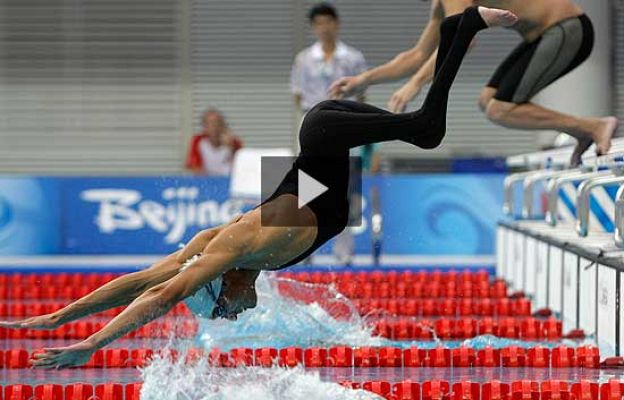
332,128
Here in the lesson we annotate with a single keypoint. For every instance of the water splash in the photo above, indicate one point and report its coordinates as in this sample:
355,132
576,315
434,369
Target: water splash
291,313
167,380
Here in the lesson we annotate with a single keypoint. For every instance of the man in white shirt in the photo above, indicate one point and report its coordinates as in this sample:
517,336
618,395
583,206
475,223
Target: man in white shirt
317,66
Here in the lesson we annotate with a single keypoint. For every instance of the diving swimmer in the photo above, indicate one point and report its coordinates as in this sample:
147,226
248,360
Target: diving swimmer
278,233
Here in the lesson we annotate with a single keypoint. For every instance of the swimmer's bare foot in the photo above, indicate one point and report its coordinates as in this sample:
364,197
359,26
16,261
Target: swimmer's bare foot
496,17
603,136
581,147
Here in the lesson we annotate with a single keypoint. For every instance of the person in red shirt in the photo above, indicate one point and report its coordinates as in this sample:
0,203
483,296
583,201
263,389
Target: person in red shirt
212,150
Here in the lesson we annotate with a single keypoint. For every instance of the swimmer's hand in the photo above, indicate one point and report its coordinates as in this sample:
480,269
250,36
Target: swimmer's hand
64,357
402,97
347,87
42,322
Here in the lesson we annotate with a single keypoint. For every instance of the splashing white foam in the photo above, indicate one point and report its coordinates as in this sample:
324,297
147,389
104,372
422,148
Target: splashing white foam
291,313
166,380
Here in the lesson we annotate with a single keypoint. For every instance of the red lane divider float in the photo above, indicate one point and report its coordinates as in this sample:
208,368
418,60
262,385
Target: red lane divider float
389,276
449,307
401,328
30,308
75,391
527,328
405,390
494,390
342,356
396,306
161,329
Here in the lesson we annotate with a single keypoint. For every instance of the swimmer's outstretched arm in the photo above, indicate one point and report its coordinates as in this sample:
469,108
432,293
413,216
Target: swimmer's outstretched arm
403,65
121,291
153,303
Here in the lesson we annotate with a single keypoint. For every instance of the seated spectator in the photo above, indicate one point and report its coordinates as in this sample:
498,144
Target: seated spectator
212,150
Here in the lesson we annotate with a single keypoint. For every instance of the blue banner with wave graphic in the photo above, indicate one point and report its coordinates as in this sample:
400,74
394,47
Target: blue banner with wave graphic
441,214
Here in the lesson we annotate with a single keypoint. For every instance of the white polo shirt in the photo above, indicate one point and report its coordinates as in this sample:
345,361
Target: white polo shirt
312,76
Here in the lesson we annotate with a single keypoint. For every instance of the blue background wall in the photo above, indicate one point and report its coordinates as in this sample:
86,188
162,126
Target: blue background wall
423,214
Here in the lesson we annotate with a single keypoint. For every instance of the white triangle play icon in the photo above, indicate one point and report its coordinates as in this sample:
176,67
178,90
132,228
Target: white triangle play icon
309,189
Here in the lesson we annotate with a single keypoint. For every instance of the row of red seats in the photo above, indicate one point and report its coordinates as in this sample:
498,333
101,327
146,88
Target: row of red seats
161,329
379,276
445,307
342,356
495,390
75,391
61,279
26,309
466,328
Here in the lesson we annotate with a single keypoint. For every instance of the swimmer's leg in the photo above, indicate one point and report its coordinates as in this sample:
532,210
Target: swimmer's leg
531,116
336,125
535,65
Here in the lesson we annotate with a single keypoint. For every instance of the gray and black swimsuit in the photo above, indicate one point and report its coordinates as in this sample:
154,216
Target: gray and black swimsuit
532,66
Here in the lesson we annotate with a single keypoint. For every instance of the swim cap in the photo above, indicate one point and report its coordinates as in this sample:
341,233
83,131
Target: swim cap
204,301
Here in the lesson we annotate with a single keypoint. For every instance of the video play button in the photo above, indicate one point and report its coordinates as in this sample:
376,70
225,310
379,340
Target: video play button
308,188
